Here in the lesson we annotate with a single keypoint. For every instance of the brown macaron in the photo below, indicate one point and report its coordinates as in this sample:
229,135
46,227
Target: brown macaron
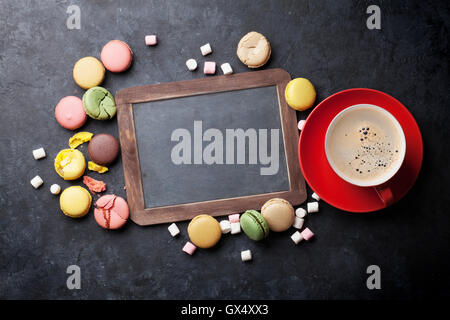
103,149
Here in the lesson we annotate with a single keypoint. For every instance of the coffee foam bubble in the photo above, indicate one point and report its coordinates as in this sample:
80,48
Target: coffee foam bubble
374,154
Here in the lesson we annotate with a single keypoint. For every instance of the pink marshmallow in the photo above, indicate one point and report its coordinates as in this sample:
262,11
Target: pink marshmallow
189,248
209,67
234,218
151,40
307,234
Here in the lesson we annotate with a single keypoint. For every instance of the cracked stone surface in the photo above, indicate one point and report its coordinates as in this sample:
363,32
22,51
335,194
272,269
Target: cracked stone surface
325,41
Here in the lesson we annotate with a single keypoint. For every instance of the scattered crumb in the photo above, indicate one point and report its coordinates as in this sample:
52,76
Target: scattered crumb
94,185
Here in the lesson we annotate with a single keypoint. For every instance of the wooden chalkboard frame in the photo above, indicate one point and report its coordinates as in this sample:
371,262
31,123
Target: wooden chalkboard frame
132,171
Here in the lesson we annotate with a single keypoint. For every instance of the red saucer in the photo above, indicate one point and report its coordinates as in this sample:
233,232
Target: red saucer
321,177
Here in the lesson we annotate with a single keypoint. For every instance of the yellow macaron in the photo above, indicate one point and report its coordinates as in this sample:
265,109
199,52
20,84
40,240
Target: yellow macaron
70,164
300,94
88,72
204,231
75,201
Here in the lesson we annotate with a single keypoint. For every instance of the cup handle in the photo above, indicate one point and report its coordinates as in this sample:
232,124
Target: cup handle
385,194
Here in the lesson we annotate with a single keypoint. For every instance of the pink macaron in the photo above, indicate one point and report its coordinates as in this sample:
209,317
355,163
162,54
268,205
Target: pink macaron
111,211
116,56
69,113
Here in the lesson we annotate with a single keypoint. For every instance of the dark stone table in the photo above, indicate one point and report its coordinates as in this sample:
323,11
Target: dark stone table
325,41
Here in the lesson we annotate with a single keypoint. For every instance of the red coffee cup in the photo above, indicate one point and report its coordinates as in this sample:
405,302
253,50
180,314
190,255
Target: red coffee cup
356,154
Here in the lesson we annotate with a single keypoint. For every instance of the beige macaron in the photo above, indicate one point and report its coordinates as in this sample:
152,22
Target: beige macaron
279,214
254,50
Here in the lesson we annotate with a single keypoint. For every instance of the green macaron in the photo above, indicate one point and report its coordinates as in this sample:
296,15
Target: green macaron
254,225
99,103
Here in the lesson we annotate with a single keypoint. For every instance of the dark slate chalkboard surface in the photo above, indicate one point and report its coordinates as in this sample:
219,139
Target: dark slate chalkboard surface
167,183
326,41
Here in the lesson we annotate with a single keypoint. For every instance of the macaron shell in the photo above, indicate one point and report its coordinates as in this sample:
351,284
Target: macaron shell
79,138
88,72
116,56
300,94
108,219
274,200
96,167
254,225
121,208
99,103
75,201
254,50
103,149
106,201
279,214
70,164
204,231
69,113
112,212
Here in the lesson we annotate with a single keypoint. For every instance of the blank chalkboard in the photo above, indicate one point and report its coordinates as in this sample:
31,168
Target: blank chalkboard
216,145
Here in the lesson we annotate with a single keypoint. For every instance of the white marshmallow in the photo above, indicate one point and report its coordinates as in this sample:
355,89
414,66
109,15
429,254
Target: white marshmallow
191,64
298,223
173,229
55,188
206,49
313,207
36,182
301,124
39,153
315,196
226,68
297,237
225,225
246,255
235,227
300,212
151,40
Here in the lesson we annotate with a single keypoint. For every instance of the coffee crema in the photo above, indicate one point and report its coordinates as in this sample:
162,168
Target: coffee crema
365,145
